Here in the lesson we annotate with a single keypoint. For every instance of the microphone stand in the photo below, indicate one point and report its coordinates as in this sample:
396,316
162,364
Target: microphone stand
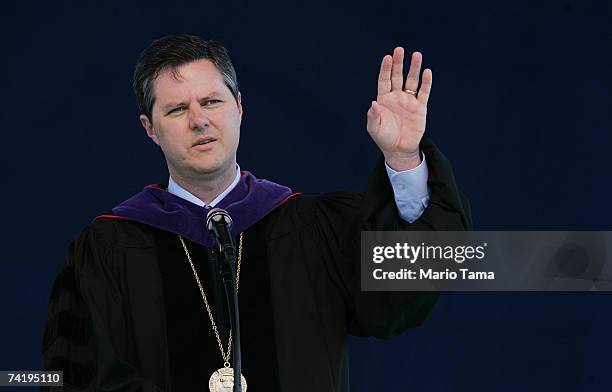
227,266
228,273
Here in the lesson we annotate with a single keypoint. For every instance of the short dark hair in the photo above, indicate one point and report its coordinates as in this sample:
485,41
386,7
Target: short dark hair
171,52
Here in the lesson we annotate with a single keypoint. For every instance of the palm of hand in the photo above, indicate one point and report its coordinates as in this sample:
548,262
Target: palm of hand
396,120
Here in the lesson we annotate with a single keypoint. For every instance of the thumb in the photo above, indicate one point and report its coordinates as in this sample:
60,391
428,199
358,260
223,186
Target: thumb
374,117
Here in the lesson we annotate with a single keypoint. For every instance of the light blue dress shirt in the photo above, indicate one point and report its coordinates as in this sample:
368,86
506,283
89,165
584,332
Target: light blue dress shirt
179,191
409,188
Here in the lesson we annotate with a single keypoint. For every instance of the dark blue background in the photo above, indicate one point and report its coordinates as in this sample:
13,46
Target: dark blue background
520,104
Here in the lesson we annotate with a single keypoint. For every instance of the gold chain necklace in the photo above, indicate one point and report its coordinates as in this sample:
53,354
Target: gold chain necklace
222,379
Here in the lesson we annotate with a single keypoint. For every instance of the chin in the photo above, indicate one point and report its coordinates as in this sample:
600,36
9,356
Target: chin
212,168
207,169
205,166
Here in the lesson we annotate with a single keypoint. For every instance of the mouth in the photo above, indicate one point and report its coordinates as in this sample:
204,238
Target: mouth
204,141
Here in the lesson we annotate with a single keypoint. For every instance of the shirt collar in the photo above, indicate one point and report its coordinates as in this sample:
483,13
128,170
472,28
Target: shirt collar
181,192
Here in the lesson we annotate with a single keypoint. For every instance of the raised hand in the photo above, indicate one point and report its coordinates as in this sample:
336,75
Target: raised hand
396,120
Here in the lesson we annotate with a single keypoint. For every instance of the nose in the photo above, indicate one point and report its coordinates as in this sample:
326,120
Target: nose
198,118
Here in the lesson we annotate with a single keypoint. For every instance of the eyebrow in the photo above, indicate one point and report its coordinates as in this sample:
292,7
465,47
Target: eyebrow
213,94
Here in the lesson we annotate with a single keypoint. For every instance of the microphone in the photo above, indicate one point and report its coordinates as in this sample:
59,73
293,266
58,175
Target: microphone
219,222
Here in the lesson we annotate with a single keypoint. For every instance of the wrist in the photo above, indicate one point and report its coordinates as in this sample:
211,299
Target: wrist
403,161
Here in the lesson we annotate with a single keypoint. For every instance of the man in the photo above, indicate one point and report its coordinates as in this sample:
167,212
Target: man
136,305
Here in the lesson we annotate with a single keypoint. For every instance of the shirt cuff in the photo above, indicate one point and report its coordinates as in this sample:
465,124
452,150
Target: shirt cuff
410,190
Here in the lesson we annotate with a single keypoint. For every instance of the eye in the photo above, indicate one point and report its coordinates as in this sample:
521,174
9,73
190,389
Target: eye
211,101
177,110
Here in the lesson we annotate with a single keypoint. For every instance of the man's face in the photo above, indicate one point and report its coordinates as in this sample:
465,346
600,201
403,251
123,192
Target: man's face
197,106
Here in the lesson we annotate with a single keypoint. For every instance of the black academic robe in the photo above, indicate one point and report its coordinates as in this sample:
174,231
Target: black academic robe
125,313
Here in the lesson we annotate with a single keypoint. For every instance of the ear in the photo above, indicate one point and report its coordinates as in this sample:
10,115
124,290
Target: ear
239,102
148,125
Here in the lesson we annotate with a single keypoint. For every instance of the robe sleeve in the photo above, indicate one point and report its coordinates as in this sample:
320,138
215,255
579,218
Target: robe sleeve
87,335
341,216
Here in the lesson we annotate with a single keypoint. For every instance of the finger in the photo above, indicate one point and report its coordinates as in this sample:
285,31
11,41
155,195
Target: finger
373,117
425,89
397,72
412,80
384,76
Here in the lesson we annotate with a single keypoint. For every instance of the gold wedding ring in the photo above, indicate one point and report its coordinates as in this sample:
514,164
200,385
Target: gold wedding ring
410,92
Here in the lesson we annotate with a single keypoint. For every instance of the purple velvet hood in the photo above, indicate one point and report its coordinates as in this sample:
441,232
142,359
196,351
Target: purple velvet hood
247,203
